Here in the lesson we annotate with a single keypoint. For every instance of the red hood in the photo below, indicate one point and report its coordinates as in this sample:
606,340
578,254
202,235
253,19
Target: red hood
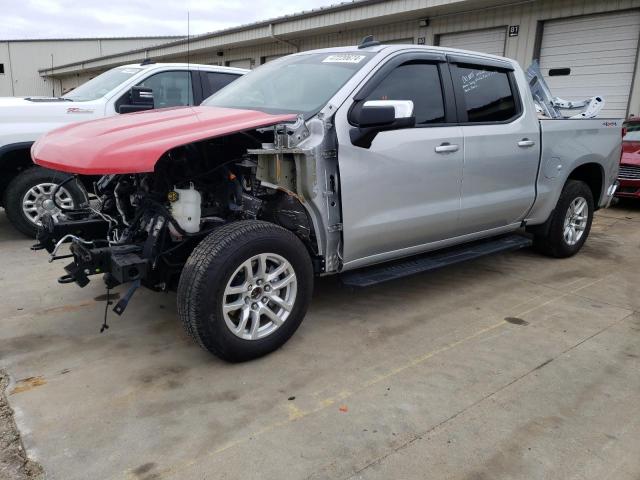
630,153
133,143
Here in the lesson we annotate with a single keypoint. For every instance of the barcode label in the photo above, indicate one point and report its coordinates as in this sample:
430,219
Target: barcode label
344,58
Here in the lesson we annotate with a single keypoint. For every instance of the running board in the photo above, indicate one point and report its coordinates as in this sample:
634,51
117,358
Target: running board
385,272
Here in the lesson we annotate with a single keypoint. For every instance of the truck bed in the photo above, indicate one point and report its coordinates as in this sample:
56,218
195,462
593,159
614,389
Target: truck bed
567,144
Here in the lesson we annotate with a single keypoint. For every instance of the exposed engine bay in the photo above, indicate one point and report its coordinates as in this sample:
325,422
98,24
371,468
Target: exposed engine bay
141,228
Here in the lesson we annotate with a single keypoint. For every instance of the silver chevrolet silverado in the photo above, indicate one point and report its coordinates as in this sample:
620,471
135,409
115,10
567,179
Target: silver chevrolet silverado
372,162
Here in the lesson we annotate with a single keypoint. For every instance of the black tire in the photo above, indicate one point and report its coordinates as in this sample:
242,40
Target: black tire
553,242
211,266
22,183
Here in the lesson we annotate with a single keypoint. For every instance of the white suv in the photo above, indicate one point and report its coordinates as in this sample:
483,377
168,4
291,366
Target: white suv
25,189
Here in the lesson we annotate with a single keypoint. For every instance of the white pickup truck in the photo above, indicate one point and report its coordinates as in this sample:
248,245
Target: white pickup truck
372,162
25,190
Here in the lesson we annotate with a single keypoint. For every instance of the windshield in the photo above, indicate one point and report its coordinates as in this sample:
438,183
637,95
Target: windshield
101,85
300,84
633,132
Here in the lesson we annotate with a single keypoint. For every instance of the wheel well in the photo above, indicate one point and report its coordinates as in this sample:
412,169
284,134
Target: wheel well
13,160
287,211
591,174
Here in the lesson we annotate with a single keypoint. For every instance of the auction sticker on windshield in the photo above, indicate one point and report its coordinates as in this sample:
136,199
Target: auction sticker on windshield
344,58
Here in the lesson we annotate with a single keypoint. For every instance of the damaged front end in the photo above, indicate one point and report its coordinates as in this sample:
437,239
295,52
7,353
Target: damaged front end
141,228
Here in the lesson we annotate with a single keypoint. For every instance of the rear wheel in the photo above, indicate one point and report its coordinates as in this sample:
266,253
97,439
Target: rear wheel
570,222
245,289
31,194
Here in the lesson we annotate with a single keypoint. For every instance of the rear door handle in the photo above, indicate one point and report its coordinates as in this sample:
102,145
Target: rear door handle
447,148
525,142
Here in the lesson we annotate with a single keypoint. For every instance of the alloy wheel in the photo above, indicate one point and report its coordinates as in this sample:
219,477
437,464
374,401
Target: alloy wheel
39,200
259,296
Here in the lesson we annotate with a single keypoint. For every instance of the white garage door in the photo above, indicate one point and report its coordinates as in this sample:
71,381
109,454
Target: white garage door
244,63
487,41
601,52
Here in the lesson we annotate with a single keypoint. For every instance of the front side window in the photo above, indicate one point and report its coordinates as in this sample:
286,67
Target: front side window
486,92
300,84
101,85
170,89
418,82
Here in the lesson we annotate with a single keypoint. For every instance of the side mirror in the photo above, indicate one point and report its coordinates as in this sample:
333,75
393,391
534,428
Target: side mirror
140,99
380,115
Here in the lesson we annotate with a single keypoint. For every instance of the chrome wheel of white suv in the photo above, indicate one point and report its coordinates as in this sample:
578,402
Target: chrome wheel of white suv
29,196
38,200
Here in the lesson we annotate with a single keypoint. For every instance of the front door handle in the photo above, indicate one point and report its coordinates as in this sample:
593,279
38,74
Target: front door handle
447,148
525,142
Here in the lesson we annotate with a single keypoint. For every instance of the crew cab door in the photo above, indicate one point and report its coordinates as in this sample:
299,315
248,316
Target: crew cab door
403,191
501,144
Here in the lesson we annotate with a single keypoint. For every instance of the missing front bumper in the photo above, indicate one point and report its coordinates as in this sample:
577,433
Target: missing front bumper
51,231
121,264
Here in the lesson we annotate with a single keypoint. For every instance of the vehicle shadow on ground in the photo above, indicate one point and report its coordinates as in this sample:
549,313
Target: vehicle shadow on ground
627,204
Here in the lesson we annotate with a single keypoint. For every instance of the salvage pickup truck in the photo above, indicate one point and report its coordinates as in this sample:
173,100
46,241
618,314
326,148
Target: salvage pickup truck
372,162
25,190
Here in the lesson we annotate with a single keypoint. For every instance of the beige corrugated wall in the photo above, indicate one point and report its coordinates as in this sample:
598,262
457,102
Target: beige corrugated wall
383,21
23,59
526,14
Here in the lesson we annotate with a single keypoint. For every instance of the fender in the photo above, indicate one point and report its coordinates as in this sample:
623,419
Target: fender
11,165
12,147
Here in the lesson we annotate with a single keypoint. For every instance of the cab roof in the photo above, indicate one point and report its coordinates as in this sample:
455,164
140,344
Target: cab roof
382,48
195,66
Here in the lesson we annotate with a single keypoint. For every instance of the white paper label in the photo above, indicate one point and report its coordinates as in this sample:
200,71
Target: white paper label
344,58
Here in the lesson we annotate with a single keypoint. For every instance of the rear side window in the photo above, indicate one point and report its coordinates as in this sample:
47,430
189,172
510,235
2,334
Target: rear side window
487,94
418,82
215,81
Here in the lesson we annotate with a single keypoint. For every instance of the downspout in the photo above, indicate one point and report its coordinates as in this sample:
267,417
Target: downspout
282,40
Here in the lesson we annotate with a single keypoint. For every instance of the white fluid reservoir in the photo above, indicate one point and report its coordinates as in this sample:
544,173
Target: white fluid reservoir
187,208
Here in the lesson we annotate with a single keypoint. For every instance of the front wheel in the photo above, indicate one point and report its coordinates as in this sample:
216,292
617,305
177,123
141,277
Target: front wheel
245,289
31,194
570,222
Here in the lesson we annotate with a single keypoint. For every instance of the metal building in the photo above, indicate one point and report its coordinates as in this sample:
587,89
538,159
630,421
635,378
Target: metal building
21,60
596,39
